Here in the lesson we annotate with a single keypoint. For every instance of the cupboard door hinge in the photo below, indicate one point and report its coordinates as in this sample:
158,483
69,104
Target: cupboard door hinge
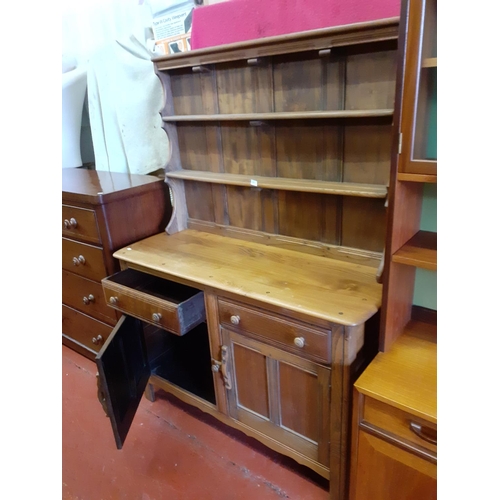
400,143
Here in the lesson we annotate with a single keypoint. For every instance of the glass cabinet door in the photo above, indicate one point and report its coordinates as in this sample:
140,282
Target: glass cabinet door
419,113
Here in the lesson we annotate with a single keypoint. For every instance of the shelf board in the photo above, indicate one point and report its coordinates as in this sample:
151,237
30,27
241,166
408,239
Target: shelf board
403,176
420,251
430,62
302,185
285,115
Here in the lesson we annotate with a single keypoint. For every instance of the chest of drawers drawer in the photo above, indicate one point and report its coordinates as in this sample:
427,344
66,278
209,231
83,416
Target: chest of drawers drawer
400,425
83,259
80,223
304,340
174,307
84,329
87,296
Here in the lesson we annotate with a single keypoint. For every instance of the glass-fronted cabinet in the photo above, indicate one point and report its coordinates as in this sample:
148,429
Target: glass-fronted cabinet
419,112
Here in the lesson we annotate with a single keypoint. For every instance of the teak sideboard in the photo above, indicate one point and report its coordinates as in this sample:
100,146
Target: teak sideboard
259,302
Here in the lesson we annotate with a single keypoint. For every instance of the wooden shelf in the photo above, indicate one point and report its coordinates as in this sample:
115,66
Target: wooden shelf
430,62
420,251
402,176
289,115
301,185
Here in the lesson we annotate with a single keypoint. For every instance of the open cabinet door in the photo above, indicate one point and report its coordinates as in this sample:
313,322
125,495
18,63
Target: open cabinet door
123,373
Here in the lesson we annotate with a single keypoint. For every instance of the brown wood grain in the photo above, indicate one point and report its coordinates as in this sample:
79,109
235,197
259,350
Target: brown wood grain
256,271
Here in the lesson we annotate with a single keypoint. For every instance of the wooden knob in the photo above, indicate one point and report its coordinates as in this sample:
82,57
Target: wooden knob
113,300
97,340
299,341
156,316
88,300
235,320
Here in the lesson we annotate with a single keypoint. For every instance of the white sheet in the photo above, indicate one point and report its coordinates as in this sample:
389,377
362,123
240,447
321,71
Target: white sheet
125,98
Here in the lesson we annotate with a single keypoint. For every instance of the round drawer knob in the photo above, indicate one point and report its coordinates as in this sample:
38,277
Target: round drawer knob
79,260
235,320
156,316
70,224
113,300
88,300
97,340
299,341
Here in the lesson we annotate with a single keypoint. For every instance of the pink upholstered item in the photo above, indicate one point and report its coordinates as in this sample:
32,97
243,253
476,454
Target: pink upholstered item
239,20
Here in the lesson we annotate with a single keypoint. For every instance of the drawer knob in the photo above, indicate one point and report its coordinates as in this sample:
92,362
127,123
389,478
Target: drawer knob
70,224
113,300
235,320
156,317
299,341
88,300
79,260
97,340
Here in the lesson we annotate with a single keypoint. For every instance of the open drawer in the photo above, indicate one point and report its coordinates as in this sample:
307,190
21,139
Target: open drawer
174,307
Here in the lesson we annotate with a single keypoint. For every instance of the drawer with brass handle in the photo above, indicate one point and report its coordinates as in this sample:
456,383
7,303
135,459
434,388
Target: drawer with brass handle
311,342
80,223
400,424
174,307
83,259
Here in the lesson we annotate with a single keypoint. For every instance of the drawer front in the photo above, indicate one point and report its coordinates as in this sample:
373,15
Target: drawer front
87,296
80,223
84,329
175,317
399,423
84,260
313,343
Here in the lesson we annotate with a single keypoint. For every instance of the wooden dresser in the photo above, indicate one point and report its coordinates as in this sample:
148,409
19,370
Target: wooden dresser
101,211
259,302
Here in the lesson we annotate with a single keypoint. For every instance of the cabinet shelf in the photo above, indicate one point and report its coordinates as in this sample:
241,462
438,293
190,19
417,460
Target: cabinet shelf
285,115
419,251
404,176
302,185
430,62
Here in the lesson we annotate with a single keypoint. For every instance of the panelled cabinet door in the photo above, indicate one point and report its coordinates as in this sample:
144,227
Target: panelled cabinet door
279,394
387,472
123,373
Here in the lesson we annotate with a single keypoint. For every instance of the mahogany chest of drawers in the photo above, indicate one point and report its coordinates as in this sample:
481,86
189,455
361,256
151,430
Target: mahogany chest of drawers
101,211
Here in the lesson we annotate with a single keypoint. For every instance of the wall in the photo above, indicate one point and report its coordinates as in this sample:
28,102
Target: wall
425,291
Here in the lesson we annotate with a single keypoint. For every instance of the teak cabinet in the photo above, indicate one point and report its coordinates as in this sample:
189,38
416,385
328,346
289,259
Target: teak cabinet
394,439
101,211
259,303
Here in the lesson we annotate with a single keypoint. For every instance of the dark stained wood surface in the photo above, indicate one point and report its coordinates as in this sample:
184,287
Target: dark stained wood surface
98,187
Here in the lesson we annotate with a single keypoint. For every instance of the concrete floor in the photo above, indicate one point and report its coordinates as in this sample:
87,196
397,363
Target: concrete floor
173,451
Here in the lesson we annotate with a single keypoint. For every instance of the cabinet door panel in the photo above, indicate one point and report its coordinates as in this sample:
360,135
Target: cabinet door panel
279,394
387,472
250,372
300,399
123,373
